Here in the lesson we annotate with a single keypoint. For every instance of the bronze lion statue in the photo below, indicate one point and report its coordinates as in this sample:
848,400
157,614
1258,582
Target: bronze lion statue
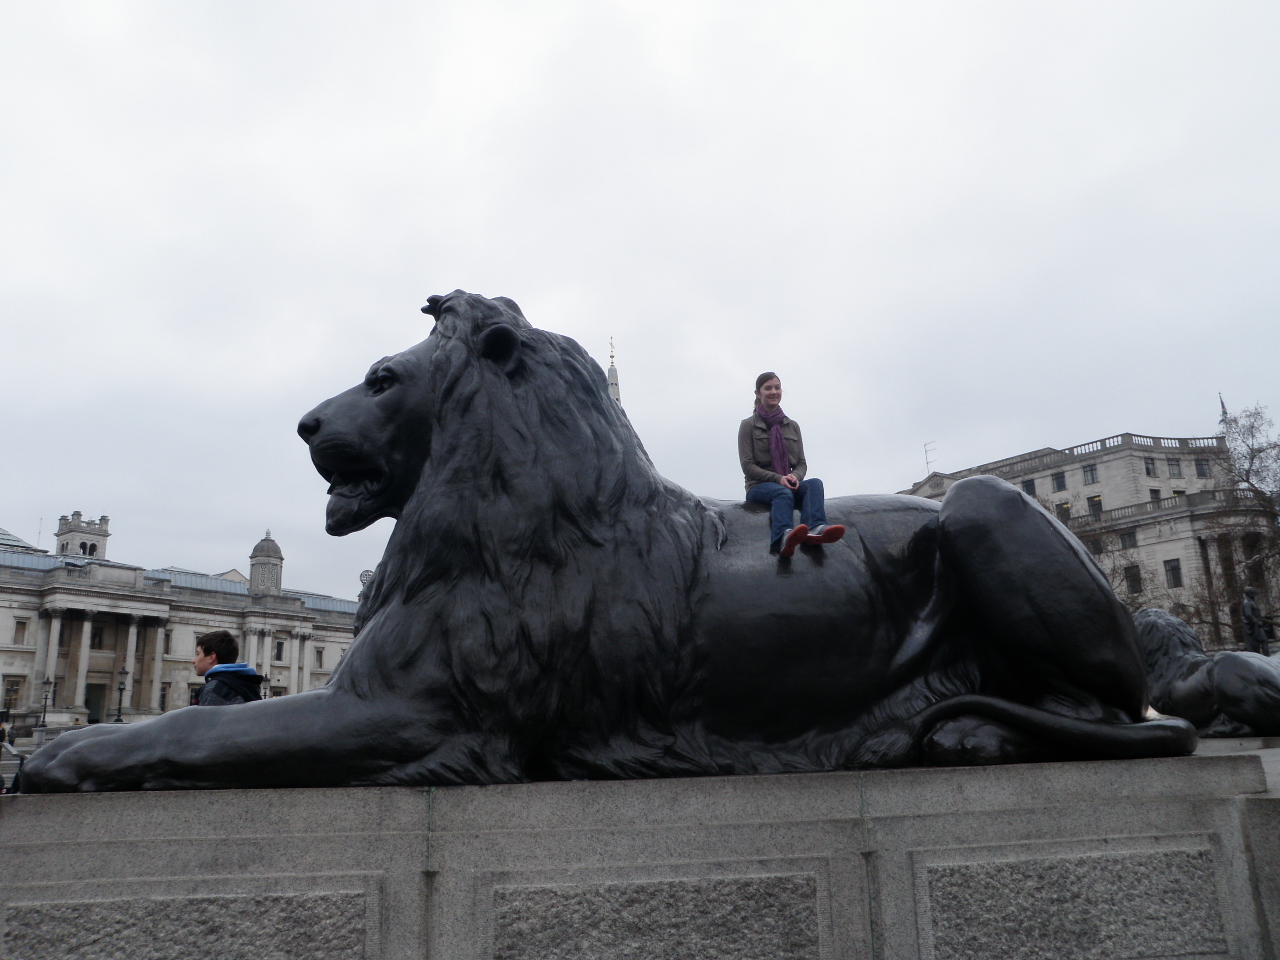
1229,694
549,607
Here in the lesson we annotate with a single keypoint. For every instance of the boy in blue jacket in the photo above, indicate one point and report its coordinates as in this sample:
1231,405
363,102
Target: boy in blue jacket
225,681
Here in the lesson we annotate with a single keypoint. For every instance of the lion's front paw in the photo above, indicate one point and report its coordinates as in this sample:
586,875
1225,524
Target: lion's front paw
64,765
43,773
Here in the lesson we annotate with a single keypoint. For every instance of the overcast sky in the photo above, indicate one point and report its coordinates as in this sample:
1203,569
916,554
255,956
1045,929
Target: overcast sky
997,226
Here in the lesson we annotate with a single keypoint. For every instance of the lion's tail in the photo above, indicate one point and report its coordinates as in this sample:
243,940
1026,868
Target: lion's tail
1164,737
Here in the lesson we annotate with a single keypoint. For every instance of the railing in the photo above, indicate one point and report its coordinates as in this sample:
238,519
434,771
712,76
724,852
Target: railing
1002,468
1242,499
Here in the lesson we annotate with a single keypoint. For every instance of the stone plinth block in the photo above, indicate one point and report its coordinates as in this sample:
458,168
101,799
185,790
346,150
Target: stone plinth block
1126,859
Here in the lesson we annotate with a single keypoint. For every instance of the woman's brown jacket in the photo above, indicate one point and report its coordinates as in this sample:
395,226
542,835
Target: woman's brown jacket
753,450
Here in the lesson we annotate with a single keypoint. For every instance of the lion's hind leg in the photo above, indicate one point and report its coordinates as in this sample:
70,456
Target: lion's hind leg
1046,627
970,740
973,725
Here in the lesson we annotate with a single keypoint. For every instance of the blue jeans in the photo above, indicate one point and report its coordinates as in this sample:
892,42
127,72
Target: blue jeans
784,501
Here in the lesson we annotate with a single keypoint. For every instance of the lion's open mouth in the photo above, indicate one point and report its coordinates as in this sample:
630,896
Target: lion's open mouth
347,472
355,482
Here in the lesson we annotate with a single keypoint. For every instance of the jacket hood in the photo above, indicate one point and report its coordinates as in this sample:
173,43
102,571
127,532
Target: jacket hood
243,669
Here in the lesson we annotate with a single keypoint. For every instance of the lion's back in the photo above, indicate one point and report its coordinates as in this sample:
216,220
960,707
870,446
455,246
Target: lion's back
882,523
814,634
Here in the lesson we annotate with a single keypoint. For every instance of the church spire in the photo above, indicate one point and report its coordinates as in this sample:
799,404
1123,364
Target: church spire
614,391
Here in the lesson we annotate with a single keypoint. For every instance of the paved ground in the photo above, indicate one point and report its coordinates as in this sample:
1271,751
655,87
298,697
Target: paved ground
1266,747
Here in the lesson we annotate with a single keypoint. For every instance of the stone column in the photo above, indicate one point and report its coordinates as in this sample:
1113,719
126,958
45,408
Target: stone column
51,654
34,675
157,664
249,649
82,668
266,651
130,655
308,659
294,651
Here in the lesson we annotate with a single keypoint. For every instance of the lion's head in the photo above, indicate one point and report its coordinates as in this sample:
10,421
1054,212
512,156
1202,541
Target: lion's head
370,443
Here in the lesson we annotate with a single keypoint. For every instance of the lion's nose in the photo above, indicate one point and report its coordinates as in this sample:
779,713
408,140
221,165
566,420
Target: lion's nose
308,427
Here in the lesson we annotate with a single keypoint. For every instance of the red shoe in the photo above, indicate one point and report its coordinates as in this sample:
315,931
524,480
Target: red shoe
825,534
792,539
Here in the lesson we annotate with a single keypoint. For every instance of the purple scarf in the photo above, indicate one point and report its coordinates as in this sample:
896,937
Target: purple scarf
777,442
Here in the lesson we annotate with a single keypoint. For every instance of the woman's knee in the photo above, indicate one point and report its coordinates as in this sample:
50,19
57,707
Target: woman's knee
785,495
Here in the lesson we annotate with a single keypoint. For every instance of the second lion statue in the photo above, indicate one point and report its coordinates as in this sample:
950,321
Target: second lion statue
549,607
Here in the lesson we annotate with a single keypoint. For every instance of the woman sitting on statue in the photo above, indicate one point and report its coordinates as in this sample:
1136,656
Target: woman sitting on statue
771,450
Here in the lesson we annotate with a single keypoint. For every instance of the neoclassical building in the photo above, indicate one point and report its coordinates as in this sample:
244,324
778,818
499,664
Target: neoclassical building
75,626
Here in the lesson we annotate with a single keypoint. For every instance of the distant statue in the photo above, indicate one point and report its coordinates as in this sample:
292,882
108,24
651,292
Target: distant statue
1255,624
550,608
1228,694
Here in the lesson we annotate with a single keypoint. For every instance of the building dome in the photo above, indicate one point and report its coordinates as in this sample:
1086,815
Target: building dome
267,548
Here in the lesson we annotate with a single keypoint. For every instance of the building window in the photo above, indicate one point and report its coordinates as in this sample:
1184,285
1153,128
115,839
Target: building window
1095,547
1179,493
1129,540
1133,578
95,638
1059,482
62,547
19,633
1202,467
1063,511
1095,506
319,658
1175,467
279,657
1090,473
12,692
1029,487
164,697
1173,573
168,644
1150,464
193,694
1154,494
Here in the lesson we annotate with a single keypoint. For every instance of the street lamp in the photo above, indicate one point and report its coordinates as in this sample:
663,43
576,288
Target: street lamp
124,672
47,683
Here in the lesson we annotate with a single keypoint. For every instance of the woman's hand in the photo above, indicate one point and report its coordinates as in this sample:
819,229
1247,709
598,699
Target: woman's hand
791,482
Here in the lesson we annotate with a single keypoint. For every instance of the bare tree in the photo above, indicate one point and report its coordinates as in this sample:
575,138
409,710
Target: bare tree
1137,580
1241,546
1251,465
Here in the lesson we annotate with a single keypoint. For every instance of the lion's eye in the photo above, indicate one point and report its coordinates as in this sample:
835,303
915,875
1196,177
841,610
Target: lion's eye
381,381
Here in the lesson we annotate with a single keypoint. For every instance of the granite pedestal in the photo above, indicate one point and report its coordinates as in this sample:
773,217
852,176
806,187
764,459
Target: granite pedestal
1152,859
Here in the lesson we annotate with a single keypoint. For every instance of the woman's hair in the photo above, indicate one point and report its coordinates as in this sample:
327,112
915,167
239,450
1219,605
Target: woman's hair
760,382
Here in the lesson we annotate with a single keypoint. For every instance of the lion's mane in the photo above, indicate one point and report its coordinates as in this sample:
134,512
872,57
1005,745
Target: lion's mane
1172,651
542,563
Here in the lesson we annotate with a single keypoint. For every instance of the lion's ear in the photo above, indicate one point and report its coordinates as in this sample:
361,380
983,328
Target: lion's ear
501,344
432,309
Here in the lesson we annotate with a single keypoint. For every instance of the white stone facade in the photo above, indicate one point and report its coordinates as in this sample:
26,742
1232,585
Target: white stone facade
1156,514
78,620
